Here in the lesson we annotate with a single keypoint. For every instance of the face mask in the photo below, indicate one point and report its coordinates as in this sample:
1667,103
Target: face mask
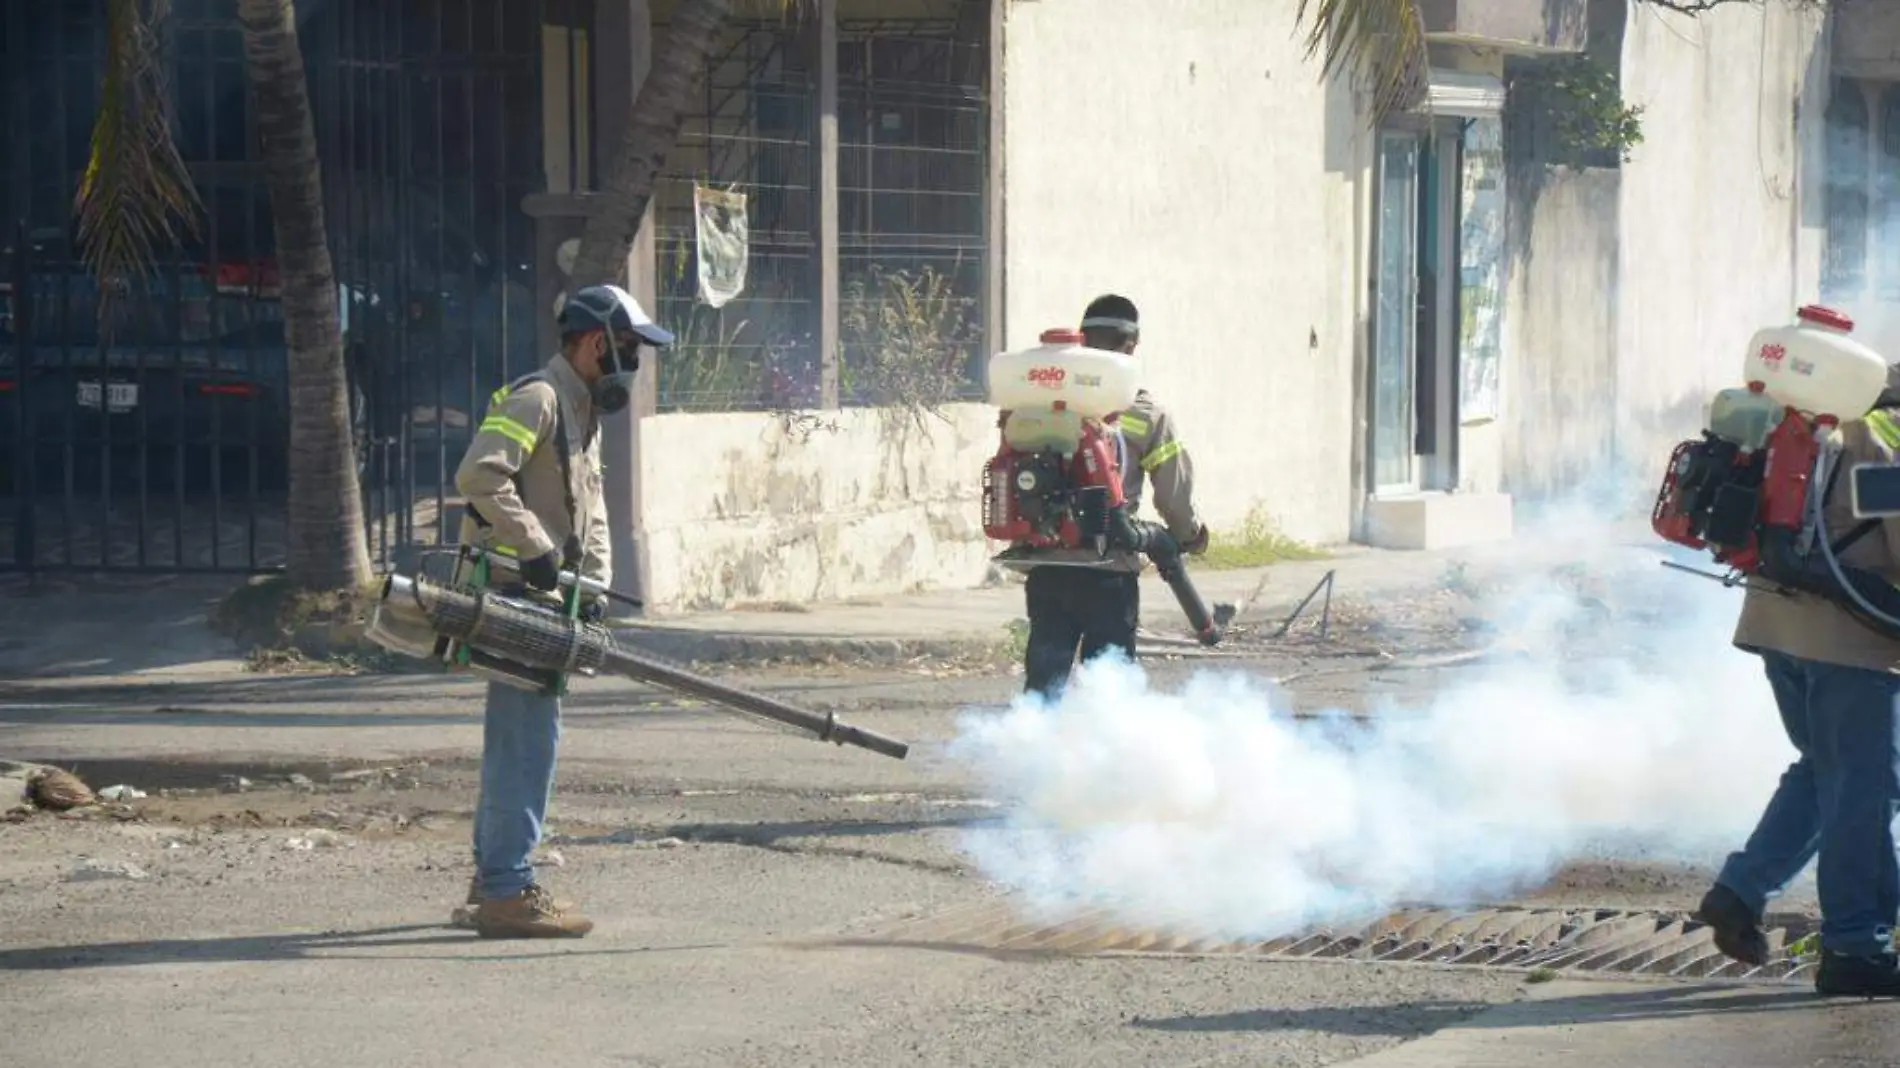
614,390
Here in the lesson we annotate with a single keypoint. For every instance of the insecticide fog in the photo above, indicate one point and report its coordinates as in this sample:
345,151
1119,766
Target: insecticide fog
1206,807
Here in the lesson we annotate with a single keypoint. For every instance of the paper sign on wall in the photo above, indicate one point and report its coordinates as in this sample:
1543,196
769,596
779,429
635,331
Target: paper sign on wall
720,218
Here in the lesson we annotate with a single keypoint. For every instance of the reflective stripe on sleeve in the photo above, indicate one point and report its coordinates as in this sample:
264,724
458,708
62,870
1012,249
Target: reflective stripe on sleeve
1161,455
512,429
1885,429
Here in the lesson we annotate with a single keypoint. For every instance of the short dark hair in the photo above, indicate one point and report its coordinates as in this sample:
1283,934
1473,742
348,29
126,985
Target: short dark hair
1123,323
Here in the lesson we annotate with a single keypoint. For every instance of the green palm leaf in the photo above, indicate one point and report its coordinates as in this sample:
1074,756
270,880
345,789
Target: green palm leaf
136,194
1381,40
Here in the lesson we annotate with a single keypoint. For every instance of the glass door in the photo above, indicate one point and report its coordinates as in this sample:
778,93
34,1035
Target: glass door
1395,317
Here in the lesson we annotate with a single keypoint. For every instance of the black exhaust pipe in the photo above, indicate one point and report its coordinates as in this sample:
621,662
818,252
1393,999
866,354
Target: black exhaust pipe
1153,541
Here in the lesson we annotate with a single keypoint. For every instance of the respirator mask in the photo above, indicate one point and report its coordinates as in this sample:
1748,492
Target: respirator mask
624,328
614,389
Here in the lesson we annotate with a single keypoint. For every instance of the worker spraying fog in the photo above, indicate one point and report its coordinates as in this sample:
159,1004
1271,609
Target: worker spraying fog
1209,808
1212,811
1762,491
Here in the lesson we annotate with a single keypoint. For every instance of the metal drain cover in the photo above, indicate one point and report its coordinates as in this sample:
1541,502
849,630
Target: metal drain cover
1575,940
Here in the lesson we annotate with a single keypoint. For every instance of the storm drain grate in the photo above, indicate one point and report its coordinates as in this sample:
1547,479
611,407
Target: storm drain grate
1573,940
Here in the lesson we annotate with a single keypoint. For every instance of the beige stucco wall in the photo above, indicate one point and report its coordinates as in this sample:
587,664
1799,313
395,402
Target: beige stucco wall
1557,422
750,508
1212,182
1633,292
1223,187
1713,239
1195,163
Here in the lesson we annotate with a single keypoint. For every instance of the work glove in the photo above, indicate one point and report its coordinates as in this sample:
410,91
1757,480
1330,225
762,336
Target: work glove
593,609
1197,544
543,572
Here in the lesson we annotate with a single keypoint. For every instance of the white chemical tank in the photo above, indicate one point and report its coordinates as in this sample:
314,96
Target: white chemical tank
1060,373
1813,366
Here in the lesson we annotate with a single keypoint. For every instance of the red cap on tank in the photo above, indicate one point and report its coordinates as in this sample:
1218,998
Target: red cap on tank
1815,313
1061,335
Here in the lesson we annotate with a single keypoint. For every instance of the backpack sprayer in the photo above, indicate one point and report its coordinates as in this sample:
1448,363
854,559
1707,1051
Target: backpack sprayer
1055,481
1752,490
520,640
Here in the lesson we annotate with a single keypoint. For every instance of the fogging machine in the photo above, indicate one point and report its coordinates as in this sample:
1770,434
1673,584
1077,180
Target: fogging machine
517,638
1092,517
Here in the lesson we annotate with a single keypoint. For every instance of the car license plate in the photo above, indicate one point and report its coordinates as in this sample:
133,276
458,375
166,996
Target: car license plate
120,396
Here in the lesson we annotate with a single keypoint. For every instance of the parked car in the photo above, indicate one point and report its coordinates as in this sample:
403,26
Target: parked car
198,368
189,392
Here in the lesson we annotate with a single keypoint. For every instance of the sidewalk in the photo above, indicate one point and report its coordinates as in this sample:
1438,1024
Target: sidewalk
155,626
947,623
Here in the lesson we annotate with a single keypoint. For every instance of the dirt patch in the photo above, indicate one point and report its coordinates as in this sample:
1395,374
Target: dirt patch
368,802
285,629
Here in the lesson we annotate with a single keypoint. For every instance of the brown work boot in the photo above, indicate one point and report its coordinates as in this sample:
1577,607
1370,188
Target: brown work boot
533,913
463,915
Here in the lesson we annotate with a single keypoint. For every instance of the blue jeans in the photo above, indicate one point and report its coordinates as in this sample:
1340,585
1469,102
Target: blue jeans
1837,802
520,733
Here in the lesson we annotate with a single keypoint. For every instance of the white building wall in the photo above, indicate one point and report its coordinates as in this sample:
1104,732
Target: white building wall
752,508
1713,238
1196,164
1191,160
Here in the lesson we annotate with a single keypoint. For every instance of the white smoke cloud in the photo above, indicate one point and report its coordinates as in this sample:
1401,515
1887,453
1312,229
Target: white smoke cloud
1209,809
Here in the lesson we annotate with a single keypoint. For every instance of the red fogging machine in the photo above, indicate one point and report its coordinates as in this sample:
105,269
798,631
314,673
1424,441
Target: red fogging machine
1752,489
1742,488
1055,482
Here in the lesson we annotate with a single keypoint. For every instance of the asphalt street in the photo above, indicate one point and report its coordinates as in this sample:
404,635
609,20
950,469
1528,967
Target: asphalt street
280,895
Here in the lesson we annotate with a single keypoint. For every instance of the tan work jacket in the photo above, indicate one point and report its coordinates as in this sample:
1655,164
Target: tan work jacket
512,474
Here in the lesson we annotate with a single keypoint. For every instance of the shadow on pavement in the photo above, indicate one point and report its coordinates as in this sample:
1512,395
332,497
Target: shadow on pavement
367,944
69,626
461,713
766,835
435,687
1661,1003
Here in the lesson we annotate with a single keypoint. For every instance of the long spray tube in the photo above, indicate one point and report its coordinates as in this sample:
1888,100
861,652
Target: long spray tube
1168,564
412,611
1155,542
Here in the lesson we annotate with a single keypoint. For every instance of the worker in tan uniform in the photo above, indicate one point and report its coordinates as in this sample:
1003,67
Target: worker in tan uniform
1079,603
532,479
1836,680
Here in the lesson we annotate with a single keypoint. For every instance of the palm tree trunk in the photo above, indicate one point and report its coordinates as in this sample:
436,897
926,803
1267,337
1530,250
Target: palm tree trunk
328,548
652,128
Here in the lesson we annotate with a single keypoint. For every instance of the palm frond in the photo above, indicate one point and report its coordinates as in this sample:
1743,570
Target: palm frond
1381,40
136,193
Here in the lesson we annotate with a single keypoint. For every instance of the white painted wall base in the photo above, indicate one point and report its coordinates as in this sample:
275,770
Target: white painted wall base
1438,520
745,507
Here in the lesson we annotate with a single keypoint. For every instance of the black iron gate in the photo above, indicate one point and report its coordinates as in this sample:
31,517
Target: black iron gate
161,443
432,141
167,449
